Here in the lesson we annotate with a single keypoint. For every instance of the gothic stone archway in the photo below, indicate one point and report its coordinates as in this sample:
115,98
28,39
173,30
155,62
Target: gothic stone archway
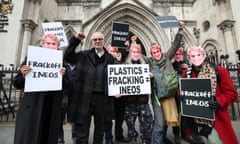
141,20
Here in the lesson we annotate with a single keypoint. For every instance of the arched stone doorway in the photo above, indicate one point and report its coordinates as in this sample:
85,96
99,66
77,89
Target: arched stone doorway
142,23
212,48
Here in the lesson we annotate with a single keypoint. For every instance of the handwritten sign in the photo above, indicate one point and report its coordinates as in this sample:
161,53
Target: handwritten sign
45,74
128,79
57,29
196,95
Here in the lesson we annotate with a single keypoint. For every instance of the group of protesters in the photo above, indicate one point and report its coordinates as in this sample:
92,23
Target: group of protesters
85,95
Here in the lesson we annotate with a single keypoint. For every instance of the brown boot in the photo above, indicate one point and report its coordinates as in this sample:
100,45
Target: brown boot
133,142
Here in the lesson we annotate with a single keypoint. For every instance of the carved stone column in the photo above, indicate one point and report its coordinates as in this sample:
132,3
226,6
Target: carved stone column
196,32
218,1
226,26
29,26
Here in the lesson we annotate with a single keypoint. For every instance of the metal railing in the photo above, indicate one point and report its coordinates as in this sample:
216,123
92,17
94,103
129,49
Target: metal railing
10,97
8,101
234,71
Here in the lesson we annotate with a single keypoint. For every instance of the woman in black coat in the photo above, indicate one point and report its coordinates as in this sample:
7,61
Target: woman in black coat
39,114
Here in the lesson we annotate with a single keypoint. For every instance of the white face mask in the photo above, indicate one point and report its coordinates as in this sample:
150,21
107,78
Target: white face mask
196,57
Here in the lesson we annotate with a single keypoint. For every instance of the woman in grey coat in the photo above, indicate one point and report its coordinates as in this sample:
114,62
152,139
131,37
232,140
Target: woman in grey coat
162,61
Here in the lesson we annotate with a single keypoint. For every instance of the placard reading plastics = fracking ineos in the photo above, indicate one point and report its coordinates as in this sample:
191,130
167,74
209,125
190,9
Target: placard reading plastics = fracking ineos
128,79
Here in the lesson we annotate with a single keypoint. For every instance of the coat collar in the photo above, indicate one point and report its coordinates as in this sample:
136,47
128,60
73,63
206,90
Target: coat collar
91,55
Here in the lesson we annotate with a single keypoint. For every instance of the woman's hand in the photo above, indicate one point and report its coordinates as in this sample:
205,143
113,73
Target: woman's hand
151,75
25,69
118,95
63,70
181,25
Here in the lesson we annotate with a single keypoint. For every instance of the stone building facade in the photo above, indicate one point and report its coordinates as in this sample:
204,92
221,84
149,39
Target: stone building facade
212,24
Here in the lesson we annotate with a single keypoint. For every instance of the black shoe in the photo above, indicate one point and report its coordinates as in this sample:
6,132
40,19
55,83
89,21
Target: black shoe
167,141
109,142
177,140
61,141
133,141
122,140
191,140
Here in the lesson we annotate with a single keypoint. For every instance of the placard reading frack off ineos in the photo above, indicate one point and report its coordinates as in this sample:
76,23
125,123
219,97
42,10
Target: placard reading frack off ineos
196,94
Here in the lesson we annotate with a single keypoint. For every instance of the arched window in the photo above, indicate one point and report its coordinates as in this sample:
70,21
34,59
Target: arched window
212,54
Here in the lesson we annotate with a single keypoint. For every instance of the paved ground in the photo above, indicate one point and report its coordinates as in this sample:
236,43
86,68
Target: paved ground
7,132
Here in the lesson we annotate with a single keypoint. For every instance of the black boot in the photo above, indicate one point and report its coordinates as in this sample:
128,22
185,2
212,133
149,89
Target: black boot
61,140
177,139
167,141
176,132
191,140
109,141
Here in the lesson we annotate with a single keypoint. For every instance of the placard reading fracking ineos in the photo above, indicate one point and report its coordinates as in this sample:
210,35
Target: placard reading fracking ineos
119,34
57,29
128,79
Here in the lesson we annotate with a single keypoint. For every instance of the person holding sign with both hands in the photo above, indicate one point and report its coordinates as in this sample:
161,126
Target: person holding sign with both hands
137,105
39,114
220,130
119,108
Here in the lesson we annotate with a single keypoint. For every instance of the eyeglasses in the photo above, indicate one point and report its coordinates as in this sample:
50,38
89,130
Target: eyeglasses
99,39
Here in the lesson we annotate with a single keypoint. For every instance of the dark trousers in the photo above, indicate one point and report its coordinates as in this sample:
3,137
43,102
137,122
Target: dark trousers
119,107
108,130
176,129
96,110
186,125
61,130
50,120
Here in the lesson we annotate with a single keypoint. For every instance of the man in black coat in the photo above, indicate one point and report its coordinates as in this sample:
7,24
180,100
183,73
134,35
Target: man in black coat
89,88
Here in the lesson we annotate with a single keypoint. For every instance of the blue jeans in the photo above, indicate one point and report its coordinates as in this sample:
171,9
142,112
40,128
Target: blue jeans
159,128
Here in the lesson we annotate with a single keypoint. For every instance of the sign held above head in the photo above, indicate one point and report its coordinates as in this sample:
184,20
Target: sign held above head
120,33
57,29
168,21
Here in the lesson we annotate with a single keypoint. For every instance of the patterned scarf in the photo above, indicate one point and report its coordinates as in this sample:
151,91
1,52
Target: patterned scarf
206,71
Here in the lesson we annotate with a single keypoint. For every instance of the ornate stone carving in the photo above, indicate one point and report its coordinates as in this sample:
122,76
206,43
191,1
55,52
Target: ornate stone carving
196,32
226,25
175,2
29,25
39,1
78,1
218,1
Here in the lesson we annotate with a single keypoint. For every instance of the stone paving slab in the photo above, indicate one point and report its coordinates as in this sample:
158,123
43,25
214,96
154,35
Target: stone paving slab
7,132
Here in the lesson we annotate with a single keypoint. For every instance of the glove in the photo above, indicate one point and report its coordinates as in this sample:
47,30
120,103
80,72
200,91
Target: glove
214,105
